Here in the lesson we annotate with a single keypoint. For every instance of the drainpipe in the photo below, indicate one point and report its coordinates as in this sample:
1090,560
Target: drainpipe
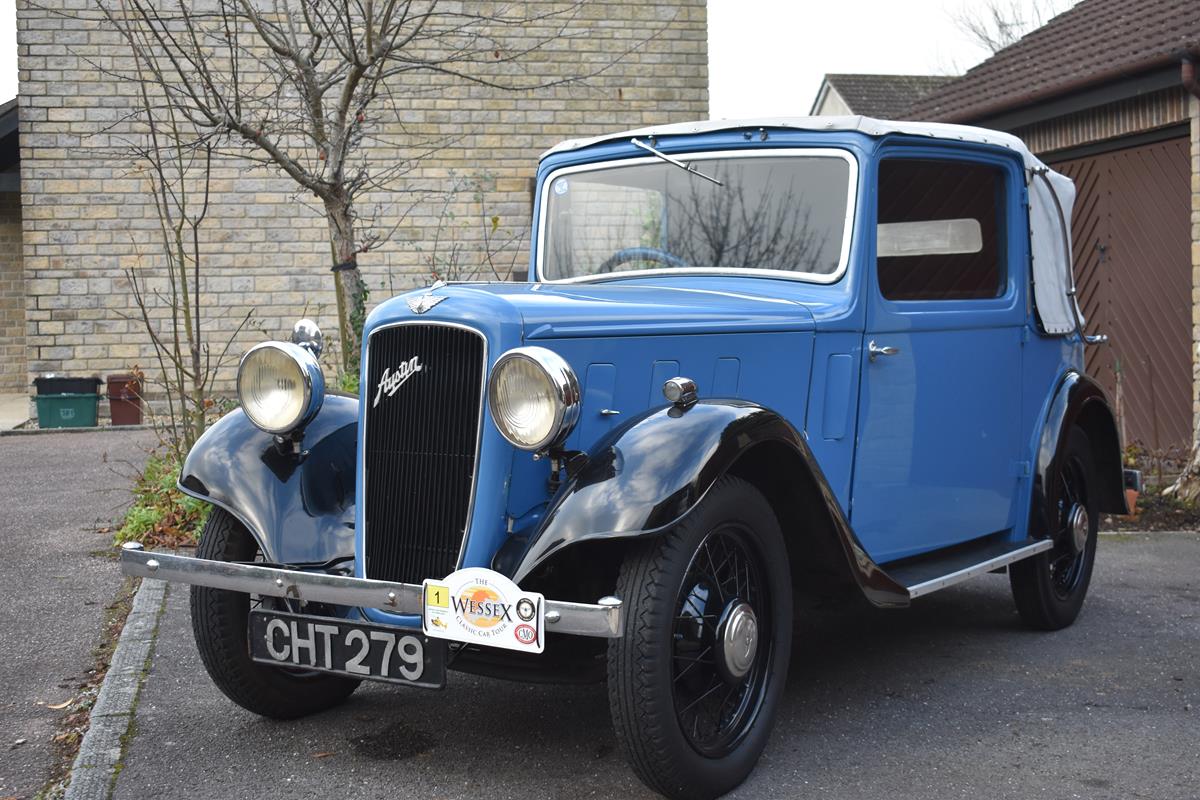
1187,76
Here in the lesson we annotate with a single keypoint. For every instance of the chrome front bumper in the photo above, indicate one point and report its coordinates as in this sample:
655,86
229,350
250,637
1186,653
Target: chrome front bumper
602,619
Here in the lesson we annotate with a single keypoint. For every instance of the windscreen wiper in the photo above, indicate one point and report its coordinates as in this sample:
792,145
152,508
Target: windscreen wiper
682,165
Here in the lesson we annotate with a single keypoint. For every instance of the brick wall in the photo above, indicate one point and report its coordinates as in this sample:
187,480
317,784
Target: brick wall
12,297
87,216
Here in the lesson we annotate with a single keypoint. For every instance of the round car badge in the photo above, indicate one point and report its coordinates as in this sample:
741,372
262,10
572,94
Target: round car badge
561,186
525,609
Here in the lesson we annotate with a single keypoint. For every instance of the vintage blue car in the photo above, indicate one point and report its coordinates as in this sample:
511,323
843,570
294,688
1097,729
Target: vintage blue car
755,363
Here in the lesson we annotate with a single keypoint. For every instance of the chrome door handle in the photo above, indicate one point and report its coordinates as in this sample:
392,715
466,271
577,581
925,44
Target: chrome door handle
874,350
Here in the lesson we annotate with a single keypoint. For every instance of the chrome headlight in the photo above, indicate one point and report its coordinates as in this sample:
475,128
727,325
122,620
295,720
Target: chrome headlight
280,386
534,397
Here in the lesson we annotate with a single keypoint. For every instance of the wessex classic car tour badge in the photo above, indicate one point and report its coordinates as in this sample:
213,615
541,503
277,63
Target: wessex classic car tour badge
479,606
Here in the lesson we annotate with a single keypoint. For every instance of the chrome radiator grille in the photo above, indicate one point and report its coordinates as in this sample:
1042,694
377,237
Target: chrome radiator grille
423,393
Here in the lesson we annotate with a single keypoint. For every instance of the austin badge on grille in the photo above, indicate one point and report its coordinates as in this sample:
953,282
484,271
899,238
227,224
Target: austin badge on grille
390,382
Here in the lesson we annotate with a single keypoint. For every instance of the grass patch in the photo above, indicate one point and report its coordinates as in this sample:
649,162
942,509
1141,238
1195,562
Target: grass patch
161,515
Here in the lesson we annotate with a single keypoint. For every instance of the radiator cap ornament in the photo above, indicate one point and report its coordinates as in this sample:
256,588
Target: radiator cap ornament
422,303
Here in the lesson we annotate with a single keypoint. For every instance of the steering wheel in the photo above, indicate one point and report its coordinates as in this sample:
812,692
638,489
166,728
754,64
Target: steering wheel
627,254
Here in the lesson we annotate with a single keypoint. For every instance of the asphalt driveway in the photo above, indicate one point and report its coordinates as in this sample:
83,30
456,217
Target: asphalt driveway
950,699
55,490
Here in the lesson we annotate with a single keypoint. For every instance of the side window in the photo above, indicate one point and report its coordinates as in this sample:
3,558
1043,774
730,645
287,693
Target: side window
941,230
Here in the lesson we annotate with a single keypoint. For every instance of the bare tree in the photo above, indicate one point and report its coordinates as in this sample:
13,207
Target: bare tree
733,227
180,179
306,85
995,24
497,245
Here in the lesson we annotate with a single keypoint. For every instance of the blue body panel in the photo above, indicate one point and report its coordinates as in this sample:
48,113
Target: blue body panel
934,446
939,454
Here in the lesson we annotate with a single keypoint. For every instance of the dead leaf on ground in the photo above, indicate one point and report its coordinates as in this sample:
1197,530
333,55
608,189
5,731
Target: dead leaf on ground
324,754
62,705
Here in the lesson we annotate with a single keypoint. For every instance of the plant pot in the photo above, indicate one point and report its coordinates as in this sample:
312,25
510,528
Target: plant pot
1131,497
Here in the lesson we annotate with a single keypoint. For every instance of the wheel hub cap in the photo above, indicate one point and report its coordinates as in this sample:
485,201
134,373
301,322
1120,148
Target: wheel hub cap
738,636
1077,525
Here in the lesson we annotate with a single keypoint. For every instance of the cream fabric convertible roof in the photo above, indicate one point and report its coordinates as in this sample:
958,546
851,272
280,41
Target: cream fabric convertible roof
1050,230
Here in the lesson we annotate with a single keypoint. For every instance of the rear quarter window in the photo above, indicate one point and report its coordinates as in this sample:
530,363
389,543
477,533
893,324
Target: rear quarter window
940,233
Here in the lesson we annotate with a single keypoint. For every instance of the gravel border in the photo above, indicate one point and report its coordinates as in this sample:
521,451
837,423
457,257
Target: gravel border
95,767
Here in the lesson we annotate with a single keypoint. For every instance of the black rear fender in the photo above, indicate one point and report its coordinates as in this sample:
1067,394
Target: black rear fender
1078,402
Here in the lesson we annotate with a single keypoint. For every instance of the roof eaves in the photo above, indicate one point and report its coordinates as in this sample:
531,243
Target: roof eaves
982,110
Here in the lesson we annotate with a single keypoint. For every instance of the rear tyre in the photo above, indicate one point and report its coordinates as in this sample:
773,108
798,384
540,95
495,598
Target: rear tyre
1050,587
695,681
220,623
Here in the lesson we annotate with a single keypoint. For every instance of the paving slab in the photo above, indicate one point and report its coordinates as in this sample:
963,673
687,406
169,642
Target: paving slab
55,490
14,410
952,698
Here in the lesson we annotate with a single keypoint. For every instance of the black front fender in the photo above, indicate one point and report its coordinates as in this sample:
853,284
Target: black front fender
646,475
298,506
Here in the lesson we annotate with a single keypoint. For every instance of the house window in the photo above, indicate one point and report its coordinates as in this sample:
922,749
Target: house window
940,230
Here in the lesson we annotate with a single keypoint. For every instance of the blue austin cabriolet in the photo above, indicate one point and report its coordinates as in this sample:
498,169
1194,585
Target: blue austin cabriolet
754,363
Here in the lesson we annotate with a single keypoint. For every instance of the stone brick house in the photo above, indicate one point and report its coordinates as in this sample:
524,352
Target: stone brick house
86,217
879,96
1107,93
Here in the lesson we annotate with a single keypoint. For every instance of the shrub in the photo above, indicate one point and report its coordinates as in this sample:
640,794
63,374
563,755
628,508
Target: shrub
161,515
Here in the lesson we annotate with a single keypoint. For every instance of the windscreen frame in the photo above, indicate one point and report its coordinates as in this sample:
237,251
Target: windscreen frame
853,180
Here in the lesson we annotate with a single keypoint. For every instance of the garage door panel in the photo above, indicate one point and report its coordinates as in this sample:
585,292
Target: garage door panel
1133,264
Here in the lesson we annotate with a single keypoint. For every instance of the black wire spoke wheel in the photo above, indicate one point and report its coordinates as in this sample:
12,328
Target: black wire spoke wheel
1049,588
695,679
1066,560
715,707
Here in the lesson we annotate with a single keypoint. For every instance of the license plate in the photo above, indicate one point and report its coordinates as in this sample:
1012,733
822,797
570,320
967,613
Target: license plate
347,648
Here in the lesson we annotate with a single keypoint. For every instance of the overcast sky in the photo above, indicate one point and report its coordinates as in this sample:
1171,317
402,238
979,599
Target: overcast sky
767,56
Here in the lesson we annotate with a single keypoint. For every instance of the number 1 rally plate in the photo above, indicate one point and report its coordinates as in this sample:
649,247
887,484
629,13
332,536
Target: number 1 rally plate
479,606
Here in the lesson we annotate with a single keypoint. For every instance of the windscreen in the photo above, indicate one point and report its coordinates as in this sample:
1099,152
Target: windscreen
777,212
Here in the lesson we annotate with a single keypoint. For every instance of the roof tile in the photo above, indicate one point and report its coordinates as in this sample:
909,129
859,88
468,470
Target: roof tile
883,96
1093,42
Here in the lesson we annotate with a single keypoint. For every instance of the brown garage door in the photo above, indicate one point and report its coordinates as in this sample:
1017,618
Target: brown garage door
1133,264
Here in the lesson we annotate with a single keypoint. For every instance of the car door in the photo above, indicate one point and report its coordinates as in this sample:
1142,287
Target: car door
939,403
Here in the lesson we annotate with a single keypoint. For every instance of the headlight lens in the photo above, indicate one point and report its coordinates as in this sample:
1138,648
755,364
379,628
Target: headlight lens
534,397
280,386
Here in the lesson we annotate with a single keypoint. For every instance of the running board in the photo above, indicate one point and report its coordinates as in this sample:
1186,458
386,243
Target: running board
938,570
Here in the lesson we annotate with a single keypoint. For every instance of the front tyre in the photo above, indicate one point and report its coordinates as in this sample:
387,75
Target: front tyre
695,680
220,621
1049,588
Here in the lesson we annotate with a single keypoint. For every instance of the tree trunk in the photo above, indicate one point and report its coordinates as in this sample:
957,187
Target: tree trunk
1187,486
351,291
